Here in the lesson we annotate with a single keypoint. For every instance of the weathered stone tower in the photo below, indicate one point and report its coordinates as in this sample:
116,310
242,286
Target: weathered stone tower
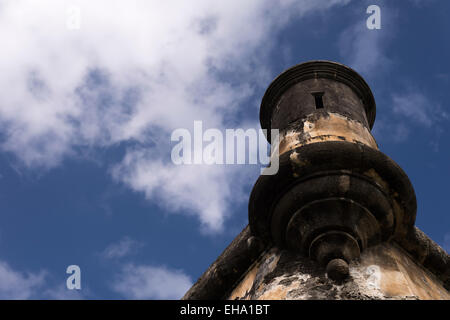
337,220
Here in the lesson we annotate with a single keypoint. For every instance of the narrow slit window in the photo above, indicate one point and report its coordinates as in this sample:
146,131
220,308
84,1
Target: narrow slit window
318,98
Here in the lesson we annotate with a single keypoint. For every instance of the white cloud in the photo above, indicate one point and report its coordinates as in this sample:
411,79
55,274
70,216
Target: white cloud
134,71
365,50
121,249
62,293
417,108
387,129
150,282
411,110
17,285
202,190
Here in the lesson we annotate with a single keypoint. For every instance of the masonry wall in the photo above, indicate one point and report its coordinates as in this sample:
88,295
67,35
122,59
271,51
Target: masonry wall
384,271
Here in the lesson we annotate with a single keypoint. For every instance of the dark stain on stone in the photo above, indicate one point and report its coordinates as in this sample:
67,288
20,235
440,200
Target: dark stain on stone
291,263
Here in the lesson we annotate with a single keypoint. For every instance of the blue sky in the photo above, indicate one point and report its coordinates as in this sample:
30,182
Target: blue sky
86,114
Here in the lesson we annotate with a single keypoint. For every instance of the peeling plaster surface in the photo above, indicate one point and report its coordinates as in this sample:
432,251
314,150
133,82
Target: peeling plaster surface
325,127
383,272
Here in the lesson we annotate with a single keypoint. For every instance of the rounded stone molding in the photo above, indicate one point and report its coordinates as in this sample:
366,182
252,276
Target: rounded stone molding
290,208
332,217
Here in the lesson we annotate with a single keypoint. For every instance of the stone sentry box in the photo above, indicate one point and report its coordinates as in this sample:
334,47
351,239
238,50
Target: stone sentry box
337,220
335,194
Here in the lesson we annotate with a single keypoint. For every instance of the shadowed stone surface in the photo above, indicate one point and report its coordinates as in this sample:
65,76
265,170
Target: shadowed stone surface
384,272
337,219
221,283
